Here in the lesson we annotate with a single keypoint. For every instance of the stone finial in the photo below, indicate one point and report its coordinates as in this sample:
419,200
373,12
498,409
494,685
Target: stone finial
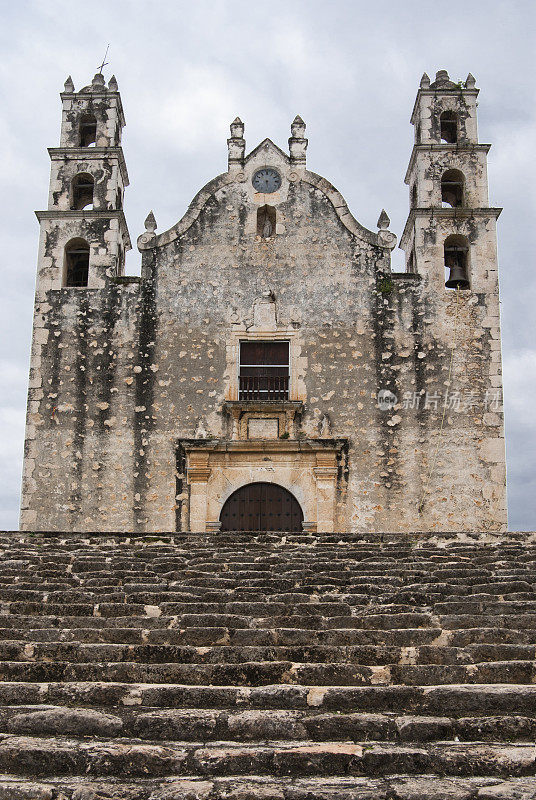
236,145
237,128
112,84
425,81
442,81
470,83
150,223
298,126
385,237
98,82
297,142
383,221
69,85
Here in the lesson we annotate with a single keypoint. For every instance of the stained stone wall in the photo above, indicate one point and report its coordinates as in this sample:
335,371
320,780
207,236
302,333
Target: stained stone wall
124,373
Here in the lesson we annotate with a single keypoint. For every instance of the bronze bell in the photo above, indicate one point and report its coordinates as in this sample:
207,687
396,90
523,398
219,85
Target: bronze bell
457,278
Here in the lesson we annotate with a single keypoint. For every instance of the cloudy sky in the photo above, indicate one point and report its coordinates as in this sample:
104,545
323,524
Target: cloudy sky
350,68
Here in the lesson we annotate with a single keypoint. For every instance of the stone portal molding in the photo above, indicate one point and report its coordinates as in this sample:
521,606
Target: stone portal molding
241,412
310,469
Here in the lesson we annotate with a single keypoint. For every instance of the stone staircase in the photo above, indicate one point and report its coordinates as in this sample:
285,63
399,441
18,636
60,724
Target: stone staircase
268,667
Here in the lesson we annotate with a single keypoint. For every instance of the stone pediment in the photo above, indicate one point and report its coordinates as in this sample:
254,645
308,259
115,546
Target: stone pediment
267,147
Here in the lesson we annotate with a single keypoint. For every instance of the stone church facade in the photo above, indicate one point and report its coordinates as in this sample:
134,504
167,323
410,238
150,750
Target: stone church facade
267,370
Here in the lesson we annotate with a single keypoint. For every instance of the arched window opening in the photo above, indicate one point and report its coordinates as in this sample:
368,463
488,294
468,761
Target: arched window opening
76,263
82,191
456,253
88,130
266,222
452,183
449,127
418,133
414,196
119,199
261,507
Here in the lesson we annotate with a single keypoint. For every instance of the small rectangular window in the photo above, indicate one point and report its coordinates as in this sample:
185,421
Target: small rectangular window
264,371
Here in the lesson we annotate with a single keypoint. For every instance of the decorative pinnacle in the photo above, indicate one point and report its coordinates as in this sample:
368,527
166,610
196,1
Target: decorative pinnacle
442,75
112,84
425,81
470,83
383,221
237,128
98,81
69,85
150,223
297,127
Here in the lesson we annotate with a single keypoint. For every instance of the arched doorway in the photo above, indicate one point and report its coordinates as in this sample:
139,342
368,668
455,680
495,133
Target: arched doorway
261,507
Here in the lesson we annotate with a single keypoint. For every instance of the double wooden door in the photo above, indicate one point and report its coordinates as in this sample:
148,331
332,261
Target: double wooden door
261,507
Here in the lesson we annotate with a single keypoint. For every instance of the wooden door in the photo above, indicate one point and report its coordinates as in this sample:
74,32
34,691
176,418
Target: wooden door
261,507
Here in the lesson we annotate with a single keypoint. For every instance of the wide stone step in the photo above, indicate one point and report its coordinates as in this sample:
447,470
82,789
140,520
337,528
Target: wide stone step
256,787
460,700
219,586
166,631
306,618
262,602
133,757
137,558
257,673
361,655
142,565
183,724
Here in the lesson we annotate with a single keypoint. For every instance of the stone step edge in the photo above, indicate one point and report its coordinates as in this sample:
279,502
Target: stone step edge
464,537
466,698
397,787
135,757
154,724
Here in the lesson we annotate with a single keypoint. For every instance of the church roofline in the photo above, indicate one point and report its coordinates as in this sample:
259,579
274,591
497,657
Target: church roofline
149,240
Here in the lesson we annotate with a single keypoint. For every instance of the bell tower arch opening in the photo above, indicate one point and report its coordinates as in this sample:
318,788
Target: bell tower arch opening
261,507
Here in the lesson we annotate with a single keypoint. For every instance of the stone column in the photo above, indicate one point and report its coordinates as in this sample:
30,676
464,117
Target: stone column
326,482
198,475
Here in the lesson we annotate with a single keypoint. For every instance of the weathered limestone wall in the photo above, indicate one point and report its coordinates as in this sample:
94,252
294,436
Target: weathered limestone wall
127,371
81,415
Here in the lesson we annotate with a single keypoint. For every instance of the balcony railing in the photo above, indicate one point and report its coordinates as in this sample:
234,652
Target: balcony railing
263,387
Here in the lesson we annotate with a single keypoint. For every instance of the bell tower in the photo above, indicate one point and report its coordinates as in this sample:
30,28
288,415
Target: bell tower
448,187
84,235
450,244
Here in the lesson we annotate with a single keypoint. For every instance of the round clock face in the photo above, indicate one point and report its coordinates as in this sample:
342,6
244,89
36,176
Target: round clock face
266,180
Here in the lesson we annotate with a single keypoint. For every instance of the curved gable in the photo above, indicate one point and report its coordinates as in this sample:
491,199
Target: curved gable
266,154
